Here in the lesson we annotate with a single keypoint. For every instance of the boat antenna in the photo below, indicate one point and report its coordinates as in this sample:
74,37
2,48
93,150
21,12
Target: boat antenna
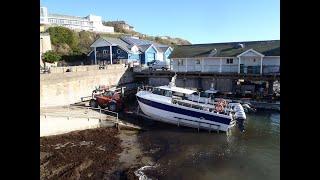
173,80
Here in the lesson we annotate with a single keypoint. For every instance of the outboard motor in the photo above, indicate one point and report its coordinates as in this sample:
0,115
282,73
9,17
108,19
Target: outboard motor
240,123
240,116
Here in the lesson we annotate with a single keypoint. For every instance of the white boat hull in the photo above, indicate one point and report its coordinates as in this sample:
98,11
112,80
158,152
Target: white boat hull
181,119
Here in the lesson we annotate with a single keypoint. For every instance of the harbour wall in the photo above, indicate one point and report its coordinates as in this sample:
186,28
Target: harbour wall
58,89
53,125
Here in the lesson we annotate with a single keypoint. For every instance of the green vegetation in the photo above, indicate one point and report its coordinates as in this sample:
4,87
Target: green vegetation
51,57
62,35
72,46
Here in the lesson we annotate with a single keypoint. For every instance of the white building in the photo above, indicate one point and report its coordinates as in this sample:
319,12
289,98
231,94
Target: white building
255,57
88,23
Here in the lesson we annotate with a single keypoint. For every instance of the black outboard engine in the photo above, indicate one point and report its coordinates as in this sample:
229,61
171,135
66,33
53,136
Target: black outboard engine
240,122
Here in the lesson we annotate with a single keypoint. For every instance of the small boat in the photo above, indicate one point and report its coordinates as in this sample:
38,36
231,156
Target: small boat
170,104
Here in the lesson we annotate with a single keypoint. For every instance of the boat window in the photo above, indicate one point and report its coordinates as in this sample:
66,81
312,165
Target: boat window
168,93
177,94
195,94
204,94
156,91
161,92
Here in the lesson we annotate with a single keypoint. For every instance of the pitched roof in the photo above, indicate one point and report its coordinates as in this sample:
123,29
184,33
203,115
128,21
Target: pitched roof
143,48
144,44
126,43
267,48
118,42
162,49
135,41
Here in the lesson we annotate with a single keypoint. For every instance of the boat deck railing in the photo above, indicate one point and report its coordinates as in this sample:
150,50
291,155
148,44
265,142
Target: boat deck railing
200,106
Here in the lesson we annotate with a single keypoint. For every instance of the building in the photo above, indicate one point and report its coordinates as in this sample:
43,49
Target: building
45,45
112,50
123,25
88,23
251,57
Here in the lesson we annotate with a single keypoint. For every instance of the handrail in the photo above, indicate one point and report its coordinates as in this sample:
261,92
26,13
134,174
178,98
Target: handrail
116,115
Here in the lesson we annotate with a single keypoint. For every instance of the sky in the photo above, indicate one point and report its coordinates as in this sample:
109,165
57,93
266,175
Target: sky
198,21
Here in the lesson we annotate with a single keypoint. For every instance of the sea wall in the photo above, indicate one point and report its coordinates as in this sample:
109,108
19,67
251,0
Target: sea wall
57,89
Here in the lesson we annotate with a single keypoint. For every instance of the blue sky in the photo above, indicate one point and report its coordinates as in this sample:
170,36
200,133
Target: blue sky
198,21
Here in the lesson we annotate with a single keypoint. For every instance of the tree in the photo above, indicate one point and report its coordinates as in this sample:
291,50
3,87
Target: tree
51,57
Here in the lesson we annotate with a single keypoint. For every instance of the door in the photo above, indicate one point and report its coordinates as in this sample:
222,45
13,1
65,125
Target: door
197,66
242,69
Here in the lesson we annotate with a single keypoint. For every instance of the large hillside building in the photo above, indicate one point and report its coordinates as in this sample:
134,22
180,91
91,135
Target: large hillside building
88,23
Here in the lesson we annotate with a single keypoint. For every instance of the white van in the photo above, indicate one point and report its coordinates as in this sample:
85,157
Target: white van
156,64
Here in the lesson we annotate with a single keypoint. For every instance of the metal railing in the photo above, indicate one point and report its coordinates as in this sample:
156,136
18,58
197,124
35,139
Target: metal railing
74,114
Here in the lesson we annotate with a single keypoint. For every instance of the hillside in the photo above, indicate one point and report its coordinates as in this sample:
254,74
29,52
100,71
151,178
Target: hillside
118,28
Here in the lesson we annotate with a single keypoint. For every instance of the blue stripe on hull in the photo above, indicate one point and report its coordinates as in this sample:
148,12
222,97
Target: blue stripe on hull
184,111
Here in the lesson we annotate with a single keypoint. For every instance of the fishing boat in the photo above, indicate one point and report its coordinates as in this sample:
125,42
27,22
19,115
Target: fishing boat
170,104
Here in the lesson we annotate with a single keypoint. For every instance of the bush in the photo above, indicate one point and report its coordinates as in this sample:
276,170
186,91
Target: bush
61,35
85,40
51,57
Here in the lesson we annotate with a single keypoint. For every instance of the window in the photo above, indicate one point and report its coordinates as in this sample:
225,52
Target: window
254,60
158,91
118,51
168,93
197,61
104,52
230,61
180,62
177,94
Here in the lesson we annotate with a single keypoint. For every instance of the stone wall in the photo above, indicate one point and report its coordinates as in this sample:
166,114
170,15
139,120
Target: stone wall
57,89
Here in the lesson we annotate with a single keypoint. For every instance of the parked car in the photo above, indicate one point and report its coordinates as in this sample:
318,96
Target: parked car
156,64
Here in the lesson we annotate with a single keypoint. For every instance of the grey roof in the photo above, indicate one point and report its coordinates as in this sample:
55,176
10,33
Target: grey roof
67,17
144,44
267,48
135,41
162,48
126,43
118,42
143,48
